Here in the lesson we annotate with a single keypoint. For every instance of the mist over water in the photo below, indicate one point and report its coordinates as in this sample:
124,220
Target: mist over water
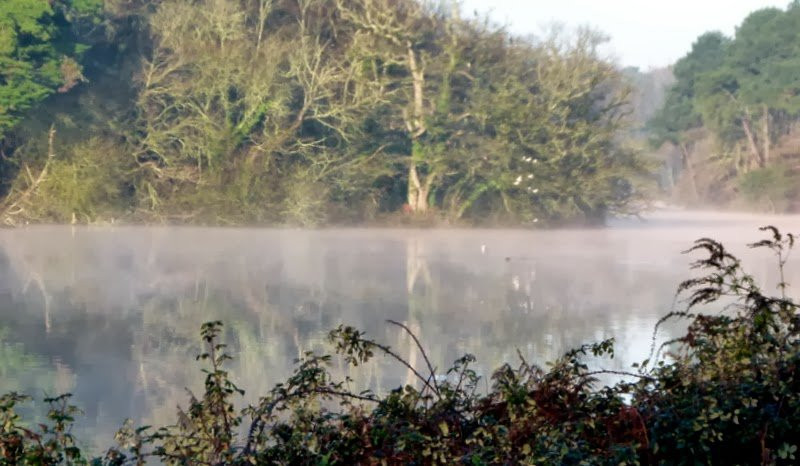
113,314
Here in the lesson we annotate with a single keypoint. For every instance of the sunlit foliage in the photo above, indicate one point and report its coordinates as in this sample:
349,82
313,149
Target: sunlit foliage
310,112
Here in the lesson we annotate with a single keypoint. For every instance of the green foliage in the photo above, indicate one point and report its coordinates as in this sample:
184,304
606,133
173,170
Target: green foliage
50,443
774,186
728,393
78,187
741,93
680,113
39,52
543,140
310,112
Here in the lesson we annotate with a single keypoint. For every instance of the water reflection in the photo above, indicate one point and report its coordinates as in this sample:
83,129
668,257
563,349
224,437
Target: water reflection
113,314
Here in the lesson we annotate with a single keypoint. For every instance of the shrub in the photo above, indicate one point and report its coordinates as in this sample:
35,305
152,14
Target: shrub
773,187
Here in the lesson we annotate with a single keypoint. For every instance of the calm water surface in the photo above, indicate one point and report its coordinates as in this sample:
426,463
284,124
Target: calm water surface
112,314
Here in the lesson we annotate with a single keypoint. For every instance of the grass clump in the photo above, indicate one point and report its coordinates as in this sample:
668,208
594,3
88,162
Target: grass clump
726,392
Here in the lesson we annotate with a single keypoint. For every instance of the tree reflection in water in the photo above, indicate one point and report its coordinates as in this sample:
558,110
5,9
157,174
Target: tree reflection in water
113,314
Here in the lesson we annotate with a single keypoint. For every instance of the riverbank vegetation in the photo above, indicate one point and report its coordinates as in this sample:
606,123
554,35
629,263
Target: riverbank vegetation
726,392
312,112
730,124
304,112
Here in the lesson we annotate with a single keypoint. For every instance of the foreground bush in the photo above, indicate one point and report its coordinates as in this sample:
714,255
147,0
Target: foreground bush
727,392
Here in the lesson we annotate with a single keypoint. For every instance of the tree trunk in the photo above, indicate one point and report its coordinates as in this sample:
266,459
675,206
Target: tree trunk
687,165
765,133
751,142
417,192
417,189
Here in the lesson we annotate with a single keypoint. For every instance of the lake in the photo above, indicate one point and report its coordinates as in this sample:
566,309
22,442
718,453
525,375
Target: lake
112,314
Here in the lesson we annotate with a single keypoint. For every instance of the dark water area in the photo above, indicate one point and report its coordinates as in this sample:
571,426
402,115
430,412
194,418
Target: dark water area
112,314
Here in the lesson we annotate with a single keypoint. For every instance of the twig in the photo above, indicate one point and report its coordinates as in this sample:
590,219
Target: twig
625,373
421,350
327,391
388,351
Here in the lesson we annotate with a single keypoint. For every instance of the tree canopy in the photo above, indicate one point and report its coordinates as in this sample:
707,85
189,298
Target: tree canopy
307,112
40,50
743,92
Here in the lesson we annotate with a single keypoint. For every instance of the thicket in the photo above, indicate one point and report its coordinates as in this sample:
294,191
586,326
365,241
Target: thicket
726,392
304,112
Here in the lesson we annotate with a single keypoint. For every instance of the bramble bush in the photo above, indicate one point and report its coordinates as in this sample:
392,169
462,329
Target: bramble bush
726,392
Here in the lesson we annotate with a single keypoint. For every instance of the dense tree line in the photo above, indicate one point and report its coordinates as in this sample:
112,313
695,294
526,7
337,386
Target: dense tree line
303,111
734,110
